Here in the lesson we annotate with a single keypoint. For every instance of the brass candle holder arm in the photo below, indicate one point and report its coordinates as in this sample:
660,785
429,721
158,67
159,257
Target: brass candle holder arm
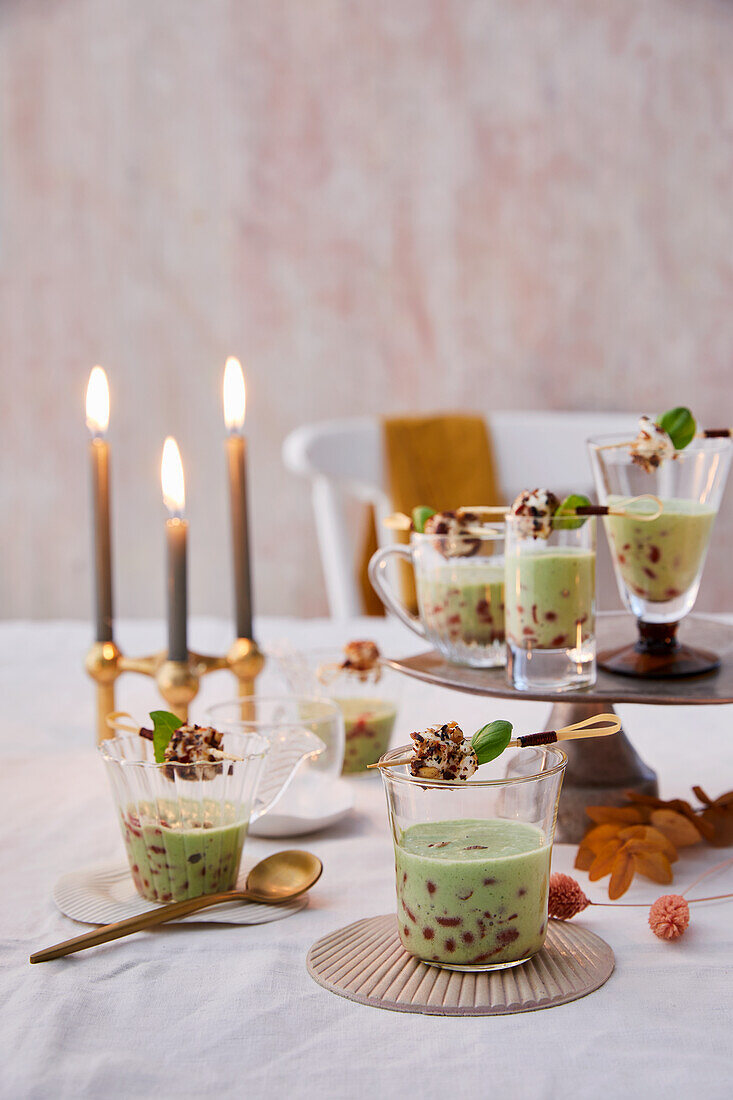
178,681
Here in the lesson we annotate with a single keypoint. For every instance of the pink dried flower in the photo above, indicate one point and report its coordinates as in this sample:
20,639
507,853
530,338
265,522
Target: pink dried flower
566,899
669,916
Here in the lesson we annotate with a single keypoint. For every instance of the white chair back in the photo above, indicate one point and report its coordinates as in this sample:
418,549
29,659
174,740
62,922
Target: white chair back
344,462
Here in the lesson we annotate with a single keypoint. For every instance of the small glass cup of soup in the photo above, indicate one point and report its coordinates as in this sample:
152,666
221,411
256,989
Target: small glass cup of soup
368,700
472,858
551,605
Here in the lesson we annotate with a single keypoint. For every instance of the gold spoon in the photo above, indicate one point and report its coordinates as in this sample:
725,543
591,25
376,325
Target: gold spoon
279,878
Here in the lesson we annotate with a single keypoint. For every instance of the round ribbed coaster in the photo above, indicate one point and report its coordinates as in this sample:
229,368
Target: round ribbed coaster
367,963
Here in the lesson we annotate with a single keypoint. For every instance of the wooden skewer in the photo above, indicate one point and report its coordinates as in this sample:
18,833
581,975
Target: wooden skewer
401,522
479,532
707,433
611,724
327,672
620,509
391,763
486,509
397,522
114,724
113,721
584,510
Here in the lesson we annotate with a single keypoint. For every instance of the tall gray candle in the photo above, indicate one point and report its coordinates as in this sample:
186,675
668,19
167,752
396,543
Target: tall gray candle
97,410
176,533
234,409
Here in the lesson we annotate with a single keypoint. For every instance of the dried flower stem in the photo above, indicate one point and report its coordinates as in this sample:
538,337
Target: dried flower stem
718,867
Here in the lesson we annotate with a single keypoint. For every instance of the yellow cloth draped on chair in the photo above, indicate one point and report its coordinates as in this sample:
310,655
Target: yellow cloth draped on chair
443,461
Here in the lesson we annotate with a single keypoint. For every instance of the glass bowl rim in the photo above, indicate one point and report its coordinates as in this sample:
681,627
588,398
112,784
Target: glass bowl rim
450,784
253,725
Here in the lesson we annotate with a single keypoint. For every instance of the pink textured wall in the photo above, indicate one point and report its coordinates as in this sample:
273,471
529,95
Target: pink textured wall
378,206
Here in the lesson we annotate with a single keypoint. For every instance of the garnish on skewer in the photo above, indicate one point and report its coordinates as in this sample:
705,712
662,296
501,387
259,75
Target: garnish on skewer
420,517
177,742
662,438
443,752
361,658
539,511
460,531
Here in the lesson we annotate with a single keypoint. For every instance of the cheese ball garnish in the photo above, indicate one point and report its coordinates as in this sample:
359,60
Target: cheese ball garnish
199,746
456,542
362,659
535,507
651,446
362,656
442,752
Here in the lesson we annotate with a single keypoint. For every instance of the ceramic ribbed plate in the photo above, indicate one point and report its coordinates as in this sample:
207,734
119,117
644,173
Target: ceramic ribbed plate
103,895
366,963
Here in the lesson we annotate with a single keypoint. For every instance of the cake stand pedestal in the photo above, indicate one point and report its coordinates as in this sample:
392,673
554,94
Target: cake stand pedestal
599,770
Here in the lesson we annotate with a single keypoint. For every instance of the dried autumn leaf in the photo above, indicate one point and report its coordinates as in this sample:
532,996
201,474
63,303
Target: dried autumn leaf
653,838
604,861
653,802
699,793
600,835
653,865
622,874
707,830
678,805
643,799
677,828
724,799
584,858
719,821
603,815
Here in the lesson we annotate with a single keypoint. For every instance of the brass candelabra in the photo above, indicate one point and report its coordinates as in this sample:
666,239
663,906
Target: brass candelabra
178,681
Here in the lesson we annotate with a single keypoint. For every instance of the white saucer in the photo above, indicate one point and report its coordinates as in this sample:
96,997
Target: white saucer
104,894
312,801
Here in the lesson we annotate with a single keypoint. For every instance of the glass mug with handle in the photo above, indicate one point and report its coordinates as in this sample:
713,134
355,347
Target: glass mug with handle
459,580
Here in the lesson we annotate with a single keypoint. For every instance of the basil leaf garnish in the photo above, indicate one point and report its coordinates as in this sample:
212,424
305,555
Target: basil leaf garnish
164,726
680,426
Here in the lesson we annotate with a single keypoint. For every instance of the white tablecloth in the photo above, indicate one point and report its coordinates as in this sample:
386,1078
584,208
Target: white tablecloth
216,1010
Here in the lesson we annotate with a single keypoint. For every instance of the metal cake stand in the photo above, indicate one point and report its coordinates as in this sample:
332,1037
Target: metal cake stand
598,770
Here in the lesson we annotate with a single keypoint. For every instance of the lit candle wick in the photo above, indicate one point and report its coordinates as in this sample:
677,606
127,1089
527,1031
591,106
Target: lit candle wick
235,397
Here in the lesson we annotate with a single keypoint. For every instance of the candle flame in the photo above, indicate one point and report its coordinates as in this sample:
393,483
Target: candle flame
171,478
235,400
97,402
